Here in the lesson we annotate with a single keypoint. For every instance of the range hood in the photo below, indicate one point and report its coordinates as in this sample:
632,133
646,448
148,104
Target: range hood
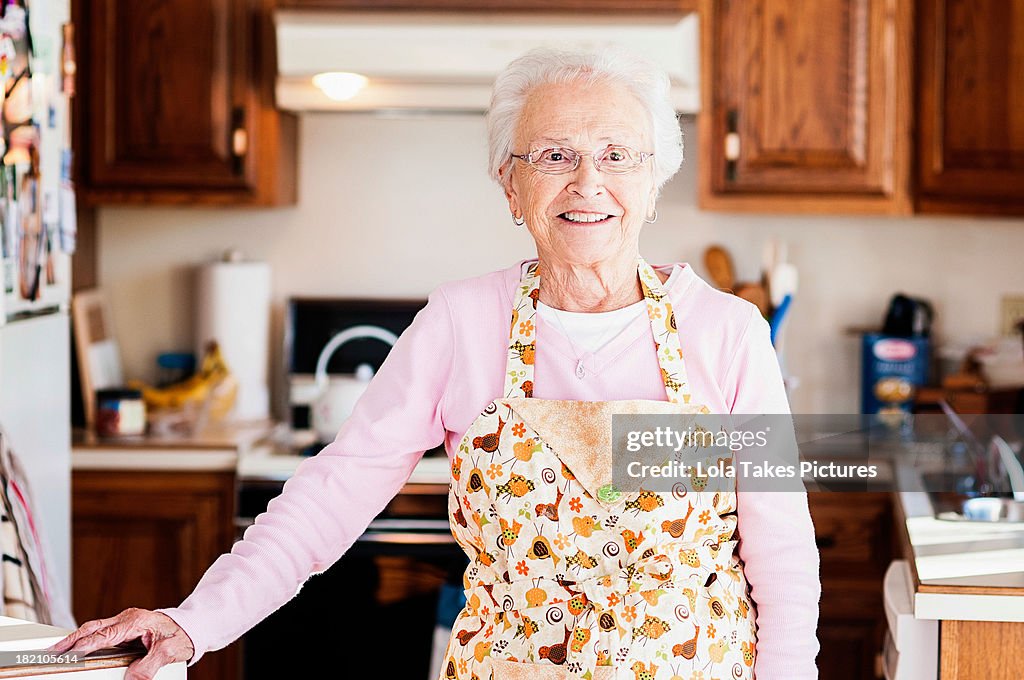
447,63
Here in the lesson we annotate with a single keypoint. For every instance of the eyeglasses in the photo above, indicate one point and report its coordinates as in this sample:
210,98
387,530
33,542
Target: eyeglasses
615,160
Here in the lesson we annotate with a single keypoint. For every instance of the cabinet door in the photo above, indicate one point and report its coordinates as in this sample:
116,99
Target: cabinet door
173,104
854,537
670,6
848,649
801,100
980,649
143,539
970,106
853,532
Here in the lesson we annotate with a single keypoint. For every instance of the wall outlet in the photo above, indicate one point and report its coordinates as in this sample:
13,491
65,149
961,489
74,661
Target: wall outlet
1011,312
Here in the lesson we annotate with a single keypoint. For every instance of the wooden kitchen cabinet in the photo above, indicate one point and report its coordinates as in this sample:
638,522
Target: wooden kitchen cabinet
144,538
970,106
805,105
979,633
175,104
848,649
853,531
632,6
971,650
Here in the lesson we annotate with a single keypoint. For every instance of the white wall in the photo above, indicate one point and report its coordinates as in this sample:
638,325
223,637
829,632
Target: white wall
392,207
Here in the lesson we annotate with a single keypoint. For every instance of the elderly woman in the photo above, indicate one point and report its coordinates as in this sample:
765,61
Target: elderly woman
591,582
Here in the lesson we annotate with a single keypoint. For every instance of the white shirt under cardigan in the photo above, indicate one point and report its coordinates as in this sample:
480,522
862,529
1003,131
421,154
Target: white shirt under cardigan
590,331
439,376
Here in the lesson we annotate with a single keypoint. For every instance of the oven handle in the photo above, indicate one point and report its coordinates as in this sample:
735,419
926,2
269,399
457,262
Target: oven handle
390,531
406,538
408,531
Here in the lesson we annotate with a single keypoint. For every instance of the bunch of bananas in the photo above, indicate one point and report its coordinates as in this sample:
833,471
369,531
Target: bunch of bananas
213,381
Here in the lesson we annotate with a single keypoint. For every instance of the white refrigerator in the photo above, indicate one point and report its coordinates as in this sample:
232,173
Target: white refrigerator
37,234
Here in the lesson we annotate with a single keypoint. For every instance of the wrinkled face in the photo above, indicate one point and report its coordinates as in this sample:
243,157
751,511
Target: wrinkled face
583,216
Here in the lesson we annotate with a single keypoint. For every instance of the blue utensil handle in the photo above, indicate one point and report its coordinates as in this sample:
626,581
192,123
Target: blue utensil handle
779,316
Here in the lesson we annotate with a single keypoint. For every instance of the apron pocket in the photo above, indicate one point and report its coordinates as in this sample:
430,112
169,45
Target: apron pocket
519,670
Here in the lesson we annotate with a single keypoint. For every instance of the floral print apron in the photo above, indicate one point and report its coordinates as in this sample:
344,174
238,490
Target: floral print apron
569,577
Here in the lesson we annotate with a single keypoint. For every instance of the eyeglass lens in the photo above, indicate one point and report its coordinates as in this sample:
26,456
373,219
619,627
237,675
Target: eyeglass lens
611,159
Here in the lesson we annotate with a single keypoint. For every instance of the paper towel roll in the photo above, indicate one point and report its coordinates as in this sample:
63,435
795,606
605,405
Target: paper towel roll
234,309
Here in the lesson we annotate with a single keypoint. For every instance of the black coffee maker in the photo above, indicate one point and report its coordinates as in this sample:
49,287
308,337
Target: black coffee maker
908,317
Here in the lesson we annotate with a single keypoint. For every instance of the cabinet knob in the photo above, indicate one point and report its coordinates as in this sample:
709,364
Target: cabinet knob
239,142
731,143
732,147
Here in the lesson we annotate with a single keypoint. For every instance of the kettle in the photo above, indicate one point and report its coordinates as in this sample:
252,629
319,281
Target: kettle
336,396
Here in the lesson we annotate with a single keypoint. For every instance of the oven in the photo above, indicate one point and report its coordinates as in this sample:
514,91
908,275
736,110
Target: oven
375,612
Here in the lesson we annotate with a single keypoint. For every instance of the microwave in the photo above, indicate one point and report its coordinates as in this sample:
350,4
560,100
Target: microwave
309,325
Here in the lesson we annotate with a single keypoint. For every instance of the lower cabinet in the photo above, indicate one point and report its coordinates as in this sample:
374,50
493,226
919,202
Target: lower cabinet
143,539
853,531
848,649
976,650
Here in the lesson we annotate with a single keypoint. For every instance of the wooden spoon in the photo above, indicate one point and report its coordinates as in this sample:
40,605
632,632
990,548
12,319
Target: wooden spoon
756,294
719,266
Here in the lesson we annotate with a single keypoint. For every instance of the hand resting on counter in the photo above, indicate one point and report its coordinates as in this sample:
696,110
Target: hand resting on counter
165,641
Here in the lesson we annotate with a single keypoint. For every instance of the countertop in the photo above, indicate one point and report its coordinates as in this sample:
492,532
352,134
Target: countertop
216,448
266,463
18,636
964,571
252,450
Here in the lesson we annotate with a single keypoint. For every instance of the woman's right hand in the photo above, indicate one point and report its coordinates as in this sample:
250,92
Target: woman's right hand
164,639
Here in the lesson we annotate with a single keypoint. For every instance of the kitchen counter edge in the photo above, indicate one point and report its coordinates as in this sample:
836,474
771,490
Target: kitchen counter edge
995,596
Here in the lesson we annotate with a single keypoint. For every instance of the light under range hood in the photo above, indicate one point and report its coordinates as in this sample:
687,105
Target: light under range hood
435,63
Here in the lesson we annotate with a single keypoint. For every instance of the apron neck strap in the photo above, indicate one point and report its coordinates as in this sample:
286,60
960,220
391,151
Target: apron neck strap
522,348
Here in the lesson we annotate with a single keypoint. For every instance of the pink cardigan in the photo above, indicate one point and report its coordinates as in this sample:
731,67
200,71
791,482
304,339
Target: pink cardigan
445,368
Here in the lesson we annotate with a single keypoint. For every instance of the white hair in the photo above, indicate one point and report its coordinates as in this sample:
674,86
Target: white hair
542,66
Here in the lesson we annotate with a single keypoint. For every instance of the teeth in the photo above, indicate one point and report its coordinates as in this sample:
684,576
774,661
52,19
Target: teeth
584,217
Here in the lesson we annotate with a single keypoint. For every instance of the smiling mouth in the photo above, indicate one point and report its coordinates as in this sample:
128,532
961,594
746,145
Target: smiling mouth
585,217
